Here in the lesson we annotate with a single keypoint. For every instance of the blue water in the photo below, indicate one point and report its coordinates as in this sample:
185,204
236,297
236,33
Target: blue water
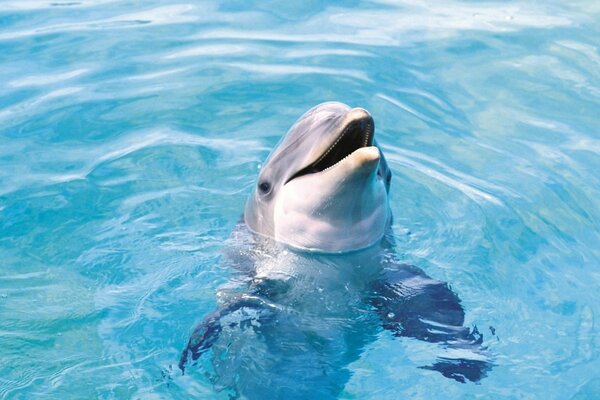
131,134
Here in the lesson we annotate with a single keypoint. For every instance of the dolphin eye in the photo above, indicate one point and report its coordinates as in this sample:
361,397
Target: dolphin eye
264,187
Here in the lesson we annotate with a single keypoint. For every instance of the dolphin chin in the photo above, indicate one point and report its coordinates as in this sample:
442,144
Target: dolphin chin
325,186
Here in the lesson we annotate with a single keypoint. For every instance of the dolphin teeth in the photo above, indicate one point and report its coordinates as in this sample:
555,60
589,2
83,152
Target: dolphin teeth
369,131
328,168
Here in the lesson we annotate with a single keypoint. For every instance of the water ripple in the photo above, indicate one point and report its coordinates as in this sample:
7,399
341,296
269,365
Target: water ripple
173,14
44,80
405,23
92,158
211,50
131,134
29,5
281,69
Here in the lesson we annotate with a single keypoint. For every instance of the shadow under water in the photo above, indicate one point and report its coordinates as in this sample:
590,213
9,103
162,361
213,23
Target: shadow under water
289,323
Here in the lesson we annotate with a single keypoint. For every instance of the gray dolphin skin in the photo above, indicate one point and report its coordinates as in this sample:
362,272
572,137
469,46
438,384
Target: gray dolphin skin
315,277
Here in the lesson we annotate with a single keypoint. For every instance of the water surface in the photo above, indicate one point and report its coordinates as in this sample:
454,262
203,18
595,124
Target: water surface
131,134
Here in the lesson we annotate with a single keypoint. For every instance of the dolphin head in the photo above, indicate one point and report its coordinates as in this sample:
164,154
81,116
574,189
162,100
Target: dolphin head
325,186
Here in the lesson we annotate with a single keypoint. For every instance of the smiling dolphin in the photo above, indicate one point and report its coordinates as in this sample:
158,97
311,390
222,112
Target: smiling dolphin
315,275
325,186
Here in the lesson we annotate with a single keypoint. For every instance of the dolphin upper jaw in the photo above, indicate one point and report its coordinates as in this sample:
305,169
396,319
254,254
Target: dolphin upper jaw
353,131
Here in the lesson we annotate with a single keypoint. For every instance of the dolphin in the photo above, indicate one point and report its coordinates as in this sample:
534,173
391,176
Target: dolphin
315,277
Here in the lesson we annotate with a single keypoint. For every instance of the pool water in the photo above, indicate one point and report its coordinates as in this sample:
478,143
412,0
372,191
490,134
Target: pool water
131,135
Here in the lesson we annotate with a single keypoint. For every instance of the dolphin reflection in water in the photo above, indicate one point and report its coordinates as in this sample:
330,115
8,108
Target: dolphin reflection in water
315,278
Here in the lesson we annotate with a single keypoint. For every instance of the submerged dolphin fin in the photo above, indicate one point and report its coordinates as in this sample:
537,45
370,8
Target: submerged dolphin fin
202,338
253,311
411,304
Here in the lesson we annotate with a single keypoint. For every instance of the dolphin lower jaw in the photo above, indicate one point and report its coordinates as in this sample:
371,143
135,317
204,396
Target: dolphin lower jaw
340,209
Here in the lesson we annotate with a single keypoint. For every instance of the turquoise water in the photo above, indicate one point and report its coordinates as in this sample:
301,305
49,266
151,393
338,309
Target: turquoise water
130,136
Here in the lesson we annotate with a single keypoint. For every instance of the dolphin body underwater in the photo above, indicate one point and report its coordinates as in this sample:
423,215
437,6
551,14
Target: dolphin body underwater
315,278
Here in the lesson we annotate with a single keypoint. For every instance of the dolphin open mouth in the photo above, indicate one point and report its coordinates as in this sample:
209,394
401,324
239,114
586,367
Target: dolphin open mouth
356,132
